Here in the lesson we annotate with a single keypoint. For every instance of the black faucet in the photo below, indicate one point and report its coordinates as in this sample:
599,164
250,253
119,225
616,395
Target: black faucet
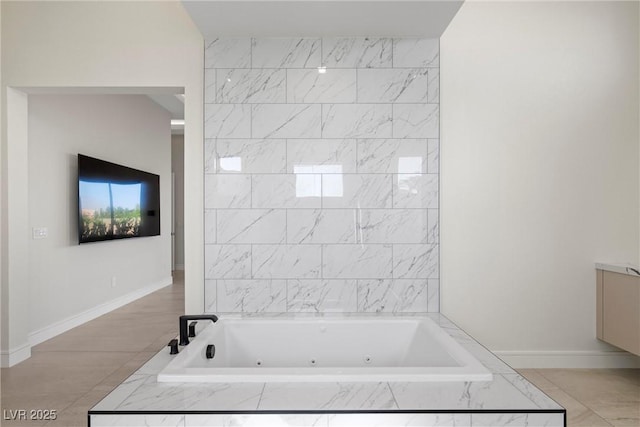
184,336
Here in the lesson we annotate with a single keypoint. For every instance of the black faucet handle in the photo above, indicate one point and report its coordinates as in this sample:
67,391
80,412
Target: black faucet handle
174,346
192,329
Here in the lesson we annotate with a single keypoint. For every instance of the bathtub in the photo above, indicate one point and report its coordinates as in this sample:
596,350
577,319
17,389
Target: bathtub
346,349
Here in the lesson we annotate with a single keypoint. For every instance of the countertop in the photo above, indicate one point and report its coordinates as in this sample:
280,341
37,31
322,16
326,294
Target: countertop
618,267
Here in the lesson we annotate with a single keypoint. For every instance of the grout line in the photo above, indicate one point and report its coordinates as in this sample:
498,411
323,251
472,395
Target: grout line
215,86
357,85
393,123
393,261
322,122
250,193
251,120
392,191
215,225
321,262
392,51
286,156
357,141
215,289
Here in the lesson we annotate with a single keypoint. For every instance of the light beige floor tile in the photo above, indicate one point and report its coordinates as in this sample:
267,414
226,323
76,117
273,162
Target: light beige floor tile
614,405
612,394
23,423
624,422
596,381
533,376
69,420
76,413
604,396
578,415
36,401
131,333
625,375
62,372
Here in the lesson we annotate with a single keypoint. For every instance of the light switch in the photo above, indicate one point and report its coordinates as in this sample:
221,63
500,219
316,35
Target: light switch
39,232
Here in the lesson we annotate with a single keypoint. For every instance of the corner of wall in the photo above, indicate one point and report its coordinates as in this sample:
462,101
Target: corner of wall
15,296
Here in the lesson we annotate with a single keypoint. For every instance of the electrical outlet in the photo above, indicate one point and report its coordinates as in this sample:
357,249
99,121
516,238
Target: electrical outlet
113,281
39,232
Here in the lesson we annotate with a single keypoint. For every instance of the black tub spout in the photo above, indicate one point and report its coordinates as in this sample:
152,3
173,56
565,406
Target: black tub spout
184,335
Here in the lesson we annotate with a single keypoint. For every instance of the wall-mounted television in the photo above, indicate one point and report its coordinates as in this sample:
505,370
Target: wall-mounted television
116,202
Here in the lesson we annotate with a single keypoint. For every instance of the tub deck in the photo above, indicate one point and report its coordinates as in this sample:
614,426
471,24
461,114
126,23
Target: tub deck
507,400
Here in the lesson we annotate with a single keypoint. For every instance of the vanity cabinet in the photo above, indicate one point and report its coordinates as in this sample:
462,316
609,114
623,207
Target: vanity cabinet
618,309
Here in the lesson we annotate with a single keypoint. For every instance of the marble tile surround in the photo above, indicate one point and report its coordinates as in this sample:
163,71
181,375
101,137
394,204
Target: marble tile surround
321,189
508,400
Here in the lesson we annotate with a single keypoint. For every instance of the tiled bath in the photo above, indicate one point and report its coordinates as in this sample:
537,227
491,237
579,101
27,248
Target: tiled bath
507,400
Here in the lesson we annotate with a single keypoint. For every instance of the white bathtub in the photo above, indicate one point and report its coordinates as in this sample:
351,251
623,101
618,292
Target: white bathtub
347,349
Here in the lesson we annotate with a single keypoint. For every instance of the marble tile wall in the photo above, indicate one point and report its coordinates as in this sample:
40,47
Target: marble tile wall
321,175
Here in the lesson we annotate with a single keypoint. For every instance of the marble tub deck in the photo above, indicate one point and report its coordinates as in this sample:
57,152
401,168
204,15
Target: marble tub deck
508,400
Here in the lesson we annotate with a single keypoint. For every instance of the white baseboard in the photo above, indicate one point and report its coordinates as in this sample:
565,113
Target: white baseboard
64,325
13,356
569,359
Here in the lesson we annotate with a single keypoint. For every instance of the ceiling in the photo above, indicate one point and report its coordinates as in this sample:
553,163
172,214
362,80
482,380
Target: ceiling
322,18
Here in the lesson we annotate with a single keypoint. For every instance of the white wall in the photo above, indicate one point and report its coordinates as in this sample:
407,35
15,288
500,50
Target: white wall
177,166
98,47
66,278
539,171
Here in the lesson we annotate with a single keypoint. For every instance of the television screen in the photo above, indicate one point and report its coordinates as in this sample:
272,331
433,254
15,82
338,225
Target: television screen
116,202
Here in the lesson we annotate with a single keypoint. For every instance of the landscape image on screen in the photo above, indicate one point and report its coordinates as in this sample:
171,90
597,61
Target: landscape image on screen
110,209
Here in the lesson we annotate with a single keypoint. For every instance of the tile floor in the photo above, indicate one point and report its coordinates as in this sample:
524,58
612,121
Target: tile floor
73,371
592,397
